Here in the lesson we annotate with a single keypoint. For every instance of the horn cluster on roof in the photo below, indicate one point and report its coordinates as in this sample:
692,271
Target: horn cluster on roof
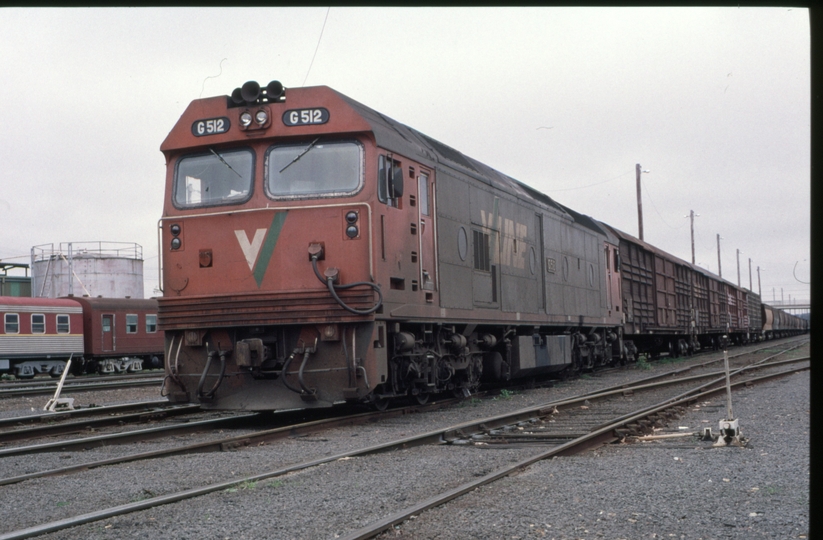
251,94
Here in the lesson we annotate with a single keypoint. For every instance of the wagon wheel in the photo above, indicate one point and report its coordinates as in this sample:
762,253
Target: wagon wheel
381,404
421,398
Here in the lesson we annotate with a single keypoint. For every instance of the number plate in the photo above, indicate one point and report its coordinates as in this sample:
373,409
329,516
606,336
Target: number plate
210,126
305,117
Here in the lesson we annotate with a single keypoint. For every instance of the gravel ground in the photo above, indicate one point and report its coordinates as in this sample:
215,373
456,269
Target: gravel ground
623,491
683,489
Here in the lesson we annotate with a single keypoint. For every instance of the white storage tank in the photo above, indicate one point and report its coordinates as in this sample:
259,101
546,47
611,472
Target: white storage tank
107,269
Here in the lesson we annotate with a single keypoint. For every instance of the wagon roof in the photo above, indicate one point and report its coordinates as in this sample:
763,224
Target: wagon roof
117,303
657,251
27,301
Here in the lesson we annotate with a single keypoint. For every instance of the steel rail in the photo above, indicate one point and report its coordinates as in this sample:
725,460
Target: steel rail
128,436
268,435
572,447
80,387
77,379
432,437
65,428
238,441
78,413
440,436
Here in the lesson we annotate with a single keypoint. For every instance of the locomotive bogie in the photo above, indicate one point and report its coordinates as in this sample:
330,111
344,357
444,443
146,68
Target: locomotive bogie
267,368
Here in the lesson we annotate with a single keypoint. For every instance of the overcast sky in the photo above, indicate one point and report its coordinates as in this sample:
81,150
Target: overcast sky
713,102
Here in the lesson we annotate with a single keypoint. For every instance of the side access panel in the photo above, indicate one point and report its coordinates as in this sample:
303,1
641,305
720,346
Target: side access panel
540,354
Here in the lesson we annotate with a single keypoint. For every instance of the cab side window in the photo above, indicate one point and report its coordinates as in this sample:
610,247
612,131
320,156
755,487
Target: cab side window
389,181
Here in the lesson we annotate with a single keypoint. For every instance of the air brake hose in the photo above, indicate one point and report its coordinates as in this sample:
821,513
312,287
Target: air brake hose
210,393
329,282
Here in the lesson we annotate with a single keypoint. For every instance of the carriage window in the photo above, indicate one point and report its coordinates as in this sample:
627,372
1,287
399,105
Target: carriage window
38,324
131,324
12,321
62,324
151,324
214,178
324,169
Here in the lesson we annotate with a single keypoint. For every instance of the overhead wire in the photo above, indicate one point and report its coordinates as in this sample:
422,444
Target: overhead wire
317,47
655,208
590,185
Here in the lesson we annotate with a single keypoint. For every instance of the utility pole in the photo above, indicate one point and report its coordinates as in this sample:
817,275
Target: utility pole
719,269
781,295
758,283
639,205
750,274
691,216
738,267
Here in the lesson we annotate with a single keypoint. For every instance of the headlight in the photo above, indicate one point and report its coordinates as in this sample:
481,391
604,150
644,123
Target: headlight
261,117
245,119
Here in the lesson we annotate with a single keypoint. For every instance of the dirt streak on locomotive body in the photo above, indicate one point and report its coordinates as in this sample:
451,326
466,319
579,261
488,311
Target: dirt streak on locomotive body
315,251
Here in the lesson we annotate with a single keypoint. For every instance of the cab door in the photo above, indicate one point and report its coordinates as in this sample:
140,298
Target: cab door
427,243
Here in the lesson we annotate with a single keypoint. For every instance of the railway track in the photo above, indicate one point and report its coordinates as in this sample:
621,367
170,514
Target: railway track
520,428
33,388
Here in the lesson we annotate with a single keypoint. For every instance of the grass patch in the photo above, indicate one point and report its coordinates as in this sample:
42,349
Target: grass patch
244,486
642,363
143,495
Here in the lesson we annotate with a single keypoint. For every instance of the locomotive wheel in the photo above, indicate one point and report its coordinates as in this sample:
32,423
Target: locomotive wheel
381,404
421,398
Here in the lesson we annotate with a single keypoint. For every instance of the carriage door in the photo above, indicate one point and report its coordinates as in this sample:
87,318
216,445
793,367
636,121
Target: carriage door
108,332
427,247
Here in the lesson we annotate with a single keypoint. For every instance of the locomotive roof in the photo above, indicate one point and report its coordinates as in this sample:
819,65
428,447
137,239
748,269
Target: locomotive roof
393,135
388,133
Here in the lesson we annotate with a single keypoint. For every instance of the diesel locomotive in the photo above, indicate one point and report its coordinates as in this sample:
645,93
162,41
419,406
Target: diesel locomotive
315,252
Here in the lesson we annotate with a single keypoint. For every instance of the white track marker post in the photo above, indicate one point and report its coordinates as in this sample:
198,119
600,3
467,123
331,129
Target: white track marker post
729,427
57,402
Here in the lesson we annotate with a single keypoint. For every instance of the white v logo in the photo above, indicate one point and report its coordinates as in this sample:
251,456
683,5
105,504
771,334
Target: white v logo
251,250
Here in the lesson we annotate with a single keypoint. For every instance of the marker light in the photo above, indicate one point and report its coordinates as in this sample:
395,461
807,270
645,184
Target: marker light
351,231
175,229
351,217
176,243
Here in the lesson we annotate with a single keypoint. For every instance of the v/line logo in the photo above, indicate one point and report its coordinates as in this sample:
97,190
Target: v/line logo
259,249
